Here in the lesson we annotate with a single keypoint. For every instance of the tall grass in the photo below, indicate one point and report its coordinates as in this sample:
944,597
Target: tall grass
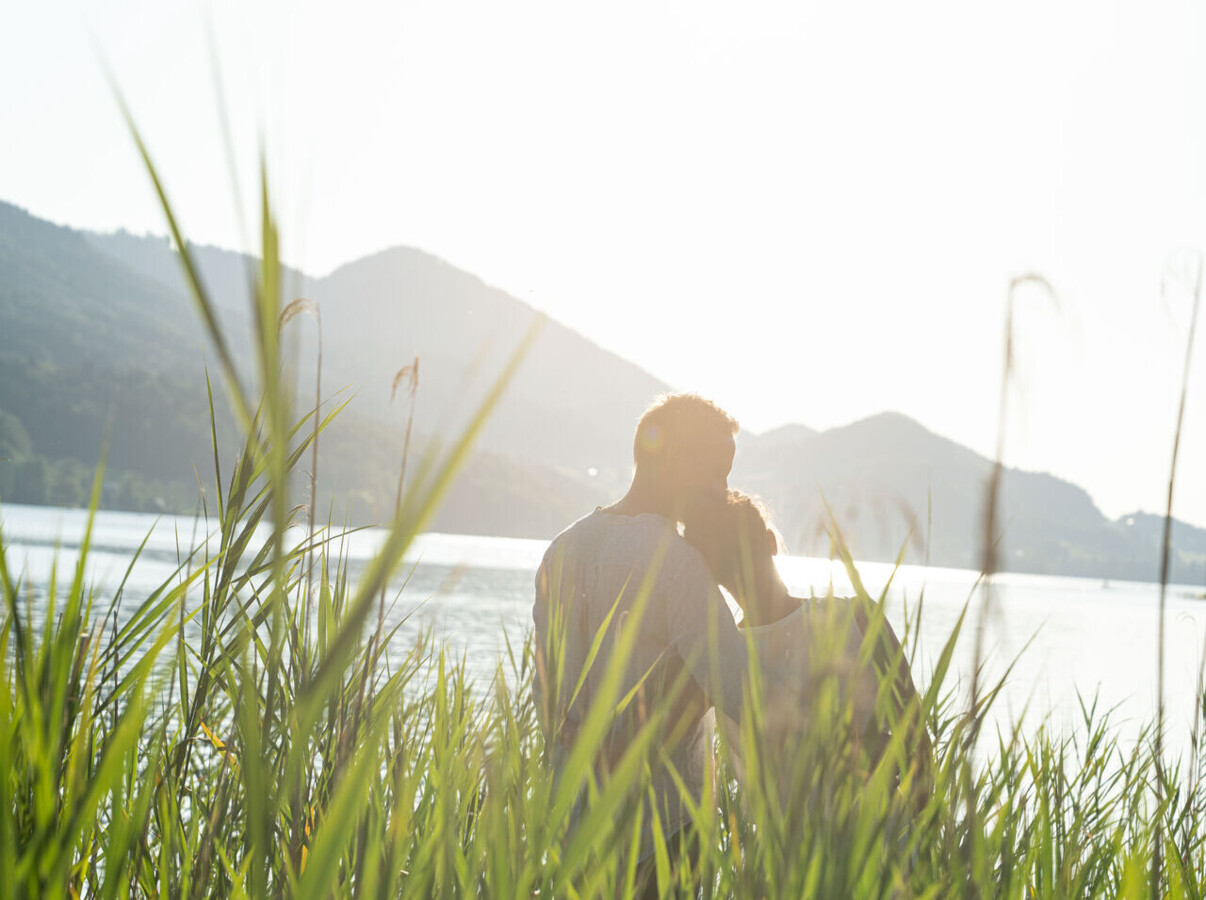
241,733
155,765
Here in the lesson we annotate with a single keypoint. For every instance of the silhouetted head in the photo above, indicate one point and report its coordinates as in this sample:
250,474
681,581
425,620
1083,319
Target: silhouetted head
738,543
684,450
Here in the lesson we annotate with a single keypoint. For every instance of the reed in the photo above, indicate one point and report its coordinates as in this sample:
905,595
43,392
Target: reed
151,764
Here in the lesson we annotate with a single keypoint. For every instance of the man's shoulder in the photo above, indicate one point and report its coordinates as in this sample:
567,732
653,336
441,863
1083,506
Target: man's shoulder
575,541
576,532
640,537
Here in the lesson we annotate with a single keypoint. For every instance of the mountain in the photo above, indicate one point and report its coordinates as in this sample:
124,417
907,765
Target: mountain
892,484
97,334
62,299
572,405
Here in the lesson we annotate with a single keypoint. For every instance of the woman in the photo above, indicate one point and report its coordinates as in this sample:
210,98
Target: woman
849,685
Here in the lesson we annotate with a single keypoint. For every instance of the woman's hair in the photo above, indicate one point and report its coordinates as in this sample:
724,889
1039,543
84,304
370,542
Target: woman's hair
725,532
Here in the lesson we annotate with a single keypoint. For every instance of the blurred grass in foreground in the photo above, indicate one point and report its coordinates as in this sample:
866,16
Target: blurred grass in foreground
281,753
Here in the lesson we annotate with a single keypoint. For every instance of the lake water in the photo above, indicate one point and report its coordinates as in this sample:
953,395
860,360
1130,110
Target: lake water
1083,634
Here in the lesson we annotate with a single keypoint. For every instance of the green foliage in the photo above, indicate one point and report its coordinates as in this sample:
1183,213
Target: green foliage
236,734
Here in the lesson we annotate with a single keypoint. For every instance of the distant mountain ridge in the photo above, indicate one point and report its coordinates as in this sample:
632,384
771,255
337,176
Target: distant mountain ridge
888,480
98,327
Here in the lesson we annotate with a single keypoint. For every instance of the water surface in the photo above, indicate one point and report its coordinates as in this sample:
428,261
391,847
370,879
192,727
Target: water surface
1063,635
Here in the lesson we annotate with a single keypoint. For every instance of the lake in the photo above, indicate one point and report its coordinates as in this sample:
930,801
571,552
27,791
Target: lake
1082,634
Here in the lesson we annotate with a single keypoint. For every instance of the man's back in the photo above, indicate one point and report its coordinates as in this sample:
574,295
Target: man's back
602,575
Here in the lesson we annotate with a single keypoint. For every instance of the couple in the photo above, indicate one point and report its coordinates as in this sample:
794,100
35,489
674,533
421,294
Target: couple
631,624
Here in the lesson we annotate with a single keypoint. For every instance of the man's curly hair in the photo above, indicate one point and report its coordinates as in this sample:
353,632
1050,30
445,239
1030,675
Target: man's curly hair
678,419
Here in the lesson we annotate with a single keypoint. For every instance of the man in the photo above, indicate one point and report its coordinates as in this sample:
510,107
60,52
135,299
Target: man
621,588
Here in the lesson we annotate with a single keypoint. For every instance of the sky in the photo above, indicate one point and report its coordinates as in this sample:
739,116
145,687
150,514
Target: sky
811,212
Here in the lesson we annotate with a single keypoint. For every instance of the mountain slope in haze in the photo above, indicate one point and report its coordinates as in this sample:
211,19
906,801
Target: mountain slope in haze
572,404
85,340
63,299
892,484
98,329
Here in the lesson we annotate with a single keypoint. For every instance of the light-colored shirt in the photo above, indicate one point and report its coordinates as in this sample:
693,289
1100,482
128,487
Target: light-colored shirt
604,574
819,640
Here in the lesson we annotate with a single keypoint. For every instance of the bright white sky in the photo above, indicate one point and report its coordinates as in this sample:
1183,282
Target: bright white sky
807,211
